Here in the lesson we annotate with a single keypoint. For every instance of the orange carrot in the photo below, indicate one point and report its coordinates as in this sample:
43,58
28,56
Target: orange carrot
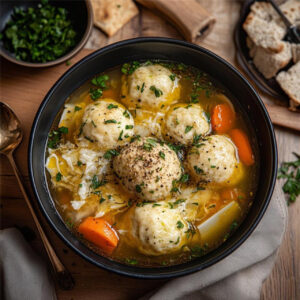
99,232
232,194
222,118
109,94
243,145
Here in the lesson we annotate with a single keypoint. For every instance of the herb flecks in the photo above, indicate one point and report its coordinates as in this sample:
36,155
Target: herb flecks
290,171
157,92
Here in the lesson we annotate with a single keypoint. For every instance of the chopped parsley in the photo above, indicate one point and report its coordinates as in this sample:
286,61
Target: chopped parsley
93,123
162,154
39,34
156,204
96,183
101,83
156,91
110,153
138,188
55,137
178,201
143,87
129,68
198,170
172,77
131,261
58,176
128,126
120,136
290,171
111,106
79,163
126,114
77,108
184,178
188,129
111,121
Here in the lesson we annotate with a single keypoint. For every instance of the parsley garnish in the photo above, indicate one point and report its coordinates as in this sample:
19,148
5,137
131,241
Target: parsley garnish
55,136
188,129
58,176
111,106
184,178
128,126
156,91
126,114
77,108
110,153
291,172
172,77
96,183
110,121
129,68
162,154
198,170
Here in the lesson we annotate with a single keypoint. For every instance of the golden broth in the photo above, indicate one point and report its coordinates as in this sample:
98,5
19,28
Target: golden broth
196,87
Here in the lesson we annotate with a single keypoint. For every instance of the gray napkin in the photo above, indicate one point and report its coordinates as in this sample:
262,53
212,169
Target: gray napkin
24,275
241,274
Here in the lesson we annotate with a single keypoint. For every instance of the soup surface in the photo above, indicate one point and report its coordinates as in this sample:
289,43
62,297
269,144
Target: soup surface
151,164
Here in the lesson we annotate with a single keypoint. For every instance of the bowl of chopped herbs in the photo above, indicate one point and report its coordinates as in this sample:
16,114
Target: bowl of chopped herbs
44,33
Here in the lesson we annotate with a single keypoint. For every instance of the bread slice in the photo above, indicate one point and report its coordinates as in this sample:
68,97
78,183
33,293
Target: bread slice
291,9
252,47
295,52
264,33
270,63
111,15
290,83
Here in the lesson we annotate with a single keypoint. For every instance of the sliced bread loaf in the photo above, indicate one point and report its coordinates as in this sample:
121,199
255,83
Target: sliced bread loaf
290,83
270,63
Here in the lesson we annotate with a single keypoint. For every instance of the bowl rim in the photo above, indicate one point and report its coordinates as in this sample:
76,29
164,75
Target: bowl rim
68,55
132,270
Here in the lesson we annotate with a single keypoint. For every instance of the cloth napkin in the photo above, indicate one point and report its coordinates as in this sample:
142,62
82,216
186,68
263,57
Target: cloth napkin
237,277
240,275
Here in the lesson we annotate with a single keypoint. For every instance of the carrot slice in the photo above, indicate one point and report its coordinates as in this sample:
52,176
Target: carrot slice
242,143
222,118
99,232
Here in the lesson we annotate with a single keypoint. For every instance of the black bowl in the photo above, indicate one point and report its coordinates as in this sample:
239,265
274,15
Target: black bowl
80,14
164,49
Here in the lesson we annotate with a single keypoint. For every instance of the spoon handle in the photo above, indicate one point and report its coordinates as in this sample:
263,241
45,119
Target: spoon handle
64,278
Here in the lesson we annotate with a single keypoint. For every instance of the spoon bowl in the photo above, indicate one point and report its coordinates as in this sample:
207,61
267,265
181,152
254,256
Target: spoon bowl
10,130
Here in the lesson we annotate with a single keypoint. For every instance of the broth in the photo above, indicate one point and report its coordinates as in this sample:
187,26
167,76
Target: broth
210,211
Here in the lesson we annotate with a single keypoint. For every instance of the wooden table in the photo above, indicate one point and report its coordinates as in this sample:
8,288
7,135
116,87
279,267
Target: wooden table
95,283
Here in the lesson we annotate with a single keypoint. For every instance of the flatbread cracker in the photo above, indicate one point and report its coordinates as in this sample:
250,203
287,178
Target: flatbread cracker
112,15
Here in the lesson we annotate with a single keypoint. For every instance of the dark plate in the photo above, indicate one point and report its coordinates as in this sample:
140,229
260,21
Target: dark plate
268,86
80,13
246,98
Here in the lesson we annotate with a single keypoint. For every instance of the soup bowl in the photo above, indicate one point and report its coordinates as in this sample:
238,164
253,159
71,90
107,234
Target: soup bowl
243,96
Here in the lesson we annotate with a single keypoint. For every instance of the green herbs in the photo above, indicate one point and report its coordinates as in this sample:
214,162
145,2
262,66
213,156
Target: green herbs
184,178
143,87
234,225
96,183
290,171
138,188
120,136
109,154
131,261
77,108
162,155
172,77
58,176
128,126
39,34
54,137
100,83
198,170
129,68
179,225
156,91
110,121
188,129
149,144
111,106
126,114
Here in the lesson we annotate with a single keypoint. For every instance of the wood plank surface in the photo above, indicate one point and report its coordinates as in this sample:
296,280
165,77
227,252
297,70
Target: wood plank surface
24,96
